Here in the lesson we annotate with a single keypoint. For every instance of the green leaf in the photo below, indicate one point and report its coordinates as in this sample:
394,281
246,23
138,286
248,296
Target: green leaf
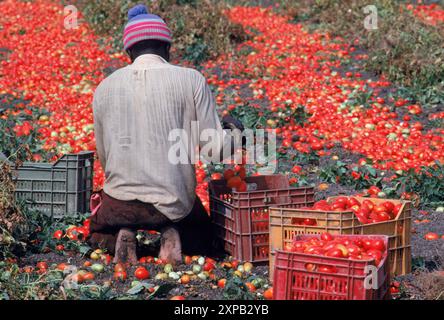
162,290
84,249
136,289
139,288
372,171
235,289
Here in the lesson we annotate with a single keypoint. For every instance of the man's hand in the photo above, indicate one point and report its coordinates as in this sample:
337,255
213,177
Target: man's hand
230,123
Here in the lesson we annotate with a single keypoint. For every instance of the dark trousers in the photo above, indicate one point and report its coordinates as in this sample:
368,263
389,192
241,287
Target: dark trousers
196,230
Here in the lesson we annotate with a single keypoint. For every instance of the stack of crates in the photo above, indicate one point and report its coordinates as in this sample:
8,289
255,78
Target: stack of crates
257,225
283,230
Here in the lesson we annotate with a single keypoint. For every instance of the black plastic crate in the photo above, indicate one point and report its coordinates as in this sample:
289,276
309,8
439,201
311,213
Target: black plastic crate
57,189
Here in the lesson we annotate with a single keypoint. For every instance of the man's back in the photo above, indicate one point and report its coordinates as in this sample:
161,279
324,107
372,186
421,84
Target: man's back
135,111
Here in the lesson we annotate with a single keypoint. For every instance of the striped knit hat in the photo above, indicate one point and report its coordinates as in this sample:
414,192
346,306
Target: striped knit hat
144,26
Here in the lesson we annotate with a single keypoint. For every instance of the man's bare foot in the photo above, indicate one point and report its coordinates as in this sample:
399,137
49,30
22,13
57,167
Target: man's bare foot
103,241
170,245
126,247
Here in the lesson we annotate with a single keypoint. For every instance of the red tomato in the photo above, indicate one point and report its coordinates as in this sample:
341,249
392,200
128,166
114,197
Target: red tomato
328,246
326,236
397,209
208,266
431,236
367,244
310,222
335,253
338,206
58,234
228,174
242,187
321,204
88,276
310,267
296,169
72,233
368,204
376,254
120,275
379,208
313,250
353,202
42,265
380,100
87,223
268,294
106,259
354,250
342,200
389,206
250,286
298,246
221,283
374,190
400,102
364,210
141,273
394,290
119,267
362,218
62,266
383,216
327,269
234,182
242,173
378,245
188,260
216,176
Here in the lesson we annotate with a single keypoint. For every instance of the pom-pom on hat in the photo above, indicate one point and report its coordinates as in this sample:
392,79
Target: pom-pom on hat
144,26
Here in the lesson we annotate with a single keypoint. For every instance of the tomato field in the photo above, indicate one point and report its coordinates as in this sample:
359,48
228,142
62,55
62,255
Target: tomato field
344,127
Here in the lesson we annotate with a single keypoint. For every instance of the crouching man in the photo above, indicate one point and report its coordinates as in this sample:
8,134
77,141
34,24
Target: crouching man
135,111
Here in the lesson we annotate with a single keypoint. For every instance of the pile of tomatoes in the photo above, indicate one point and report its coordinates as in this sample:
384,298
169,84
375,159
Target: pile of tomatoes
284,66
432,13
366,211
236,178
40,46
363,248
202,185
74,233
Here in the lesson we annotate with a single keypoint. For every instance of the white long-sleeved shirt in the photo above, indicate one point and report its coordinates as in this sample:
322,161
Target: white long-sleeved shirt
135,111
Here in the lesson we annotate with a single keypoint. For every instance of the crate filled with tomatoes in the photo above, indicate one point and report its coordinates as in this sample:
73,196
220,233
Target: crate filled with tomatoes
241,215
348,215
328,267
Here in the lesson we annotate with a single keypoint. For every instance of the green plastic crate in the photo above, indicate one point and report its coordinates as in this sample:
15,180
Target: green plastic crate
57,189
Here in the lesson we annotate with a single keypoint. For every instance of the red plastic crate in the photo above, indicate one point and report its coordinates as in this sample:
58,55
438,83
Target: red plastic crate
241,218
292,281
